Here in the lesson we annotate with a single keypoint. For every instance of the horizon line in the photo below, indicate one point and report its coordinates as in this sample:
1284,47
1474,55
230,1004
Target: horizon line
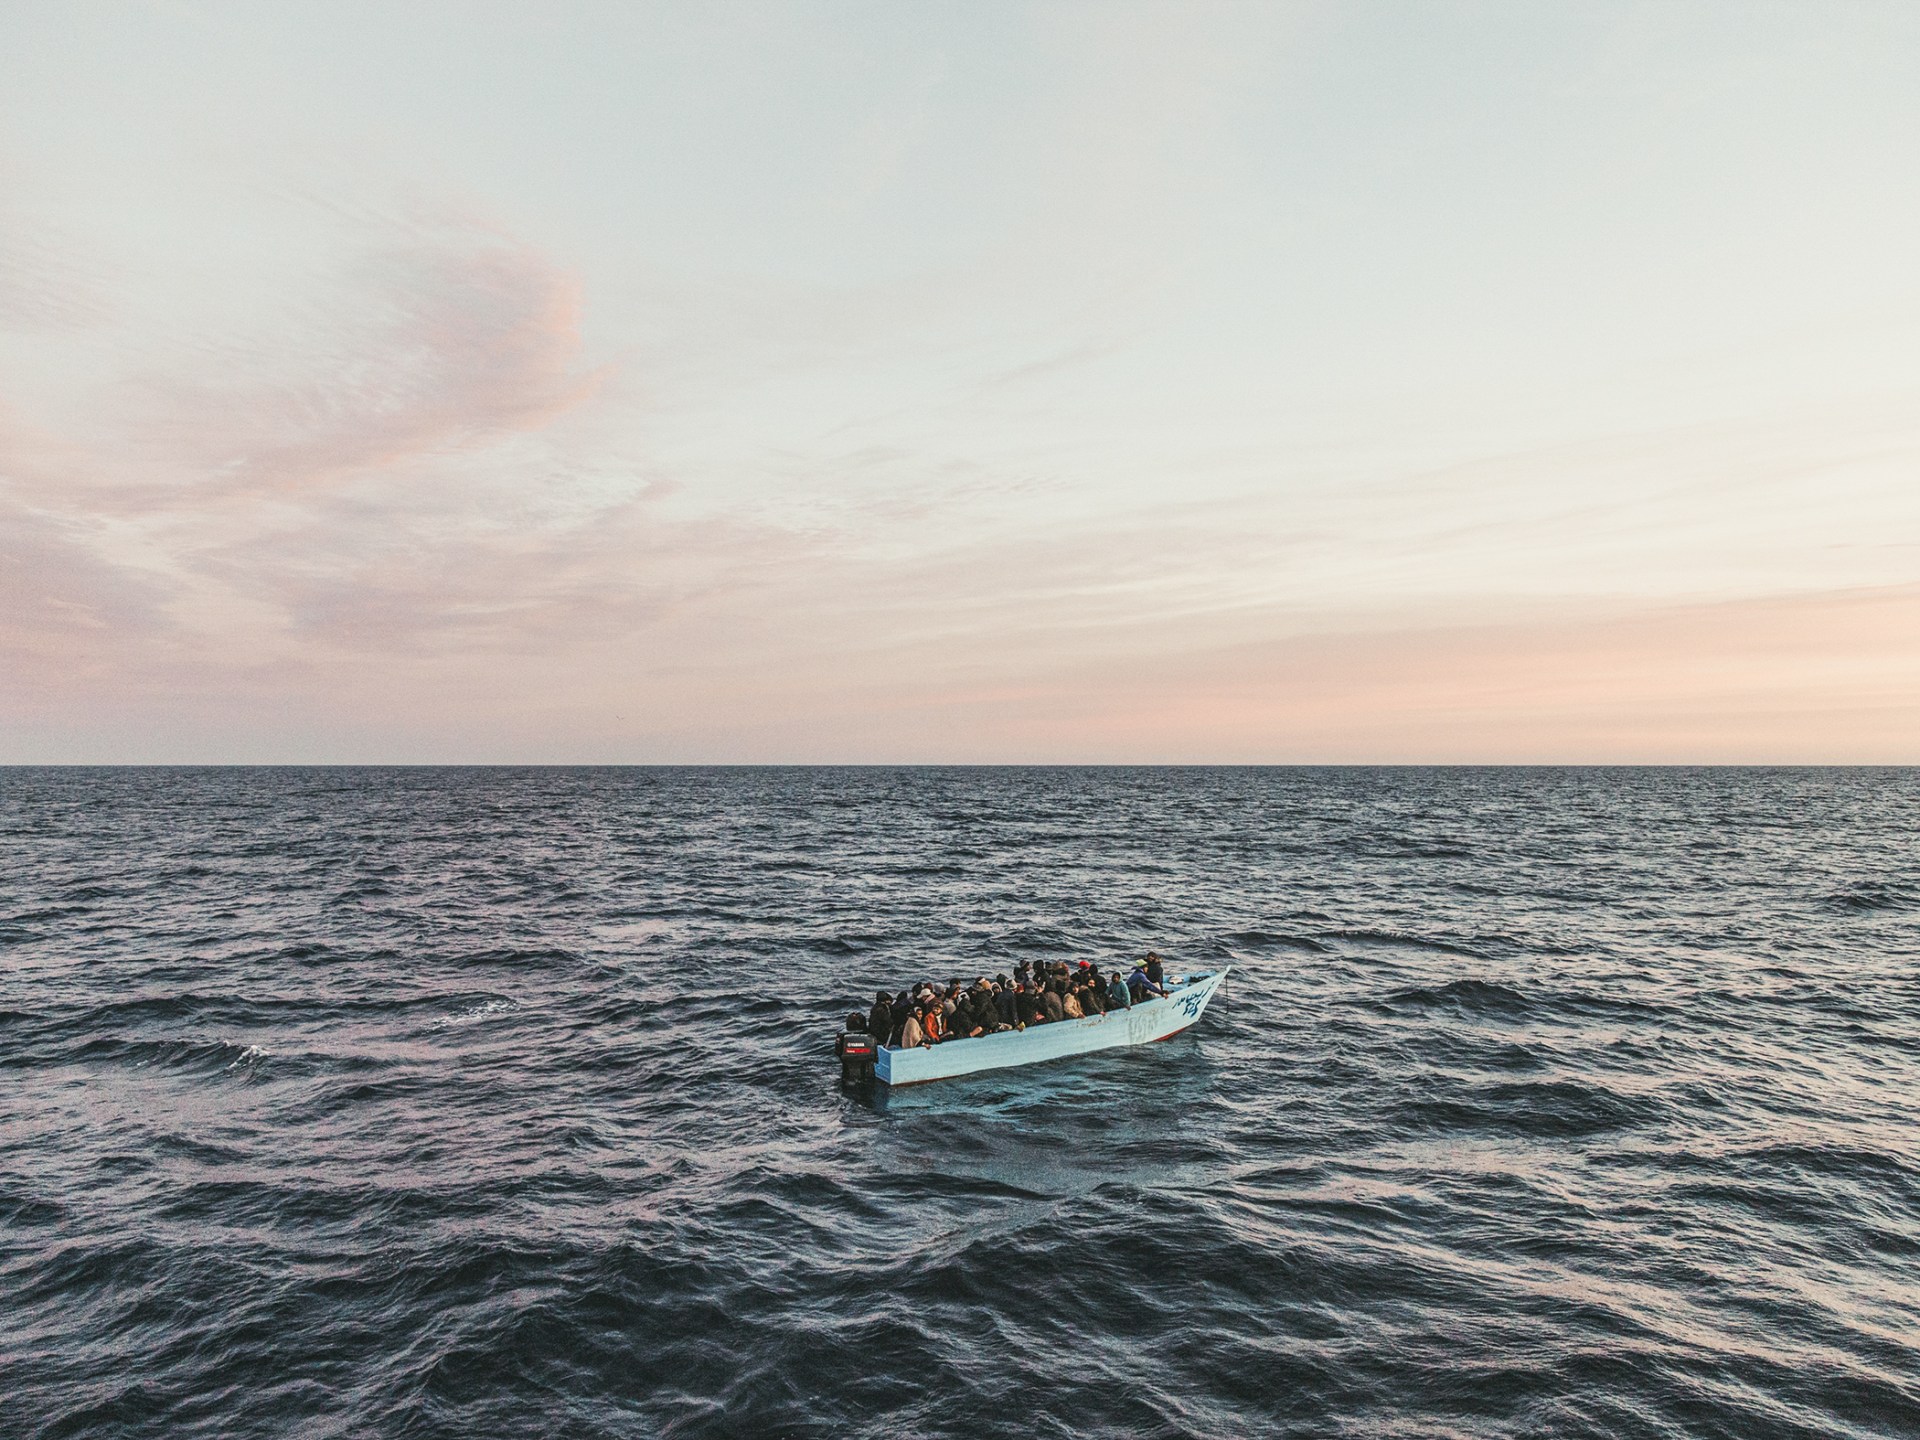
959,764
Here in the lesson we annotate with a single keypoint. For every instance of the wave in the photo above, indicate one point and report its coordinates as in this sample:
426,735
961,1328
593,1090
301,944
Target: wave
193,1056
1870,896
1836,1158
1555,1108
1401,847
846,944
528,959
92,890
476,1013
1404,940
1272,940
1482,997
1492,999
1824,1165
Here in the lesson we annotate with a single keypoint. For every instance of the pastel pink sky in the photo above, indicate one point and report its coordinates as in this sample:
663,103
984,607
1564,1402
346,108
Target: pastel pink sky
858,382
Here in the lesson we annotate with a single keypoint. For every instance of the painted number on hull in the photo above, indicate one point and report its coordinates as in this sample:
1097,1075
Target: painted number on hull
1191,1005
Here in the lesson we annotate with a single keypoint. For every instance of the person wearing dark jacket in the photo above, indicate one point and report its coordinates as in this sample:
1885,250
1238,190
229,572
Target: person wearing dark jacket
1156,973
1050,1003
880,1018
1026,1005
972,1015
1003,1004
902,1008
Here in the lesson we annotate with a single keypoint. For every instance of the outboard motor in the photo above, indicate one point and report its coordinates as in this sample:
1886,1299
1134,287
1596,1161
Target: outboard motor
856,1048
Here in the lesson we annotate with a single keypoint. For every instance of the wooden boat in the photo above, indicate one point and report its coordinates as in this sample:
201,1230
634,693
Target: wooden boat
1151,1020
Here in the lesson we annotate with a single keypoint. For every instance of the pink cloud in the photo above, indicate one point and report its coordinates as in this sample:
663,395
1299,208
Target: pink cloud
44,285
1825,676
142,562
428,350
369,520
67,616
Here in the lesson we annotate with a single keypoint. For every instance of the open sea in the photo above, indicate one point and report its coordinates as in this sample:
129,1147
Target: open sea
502,1103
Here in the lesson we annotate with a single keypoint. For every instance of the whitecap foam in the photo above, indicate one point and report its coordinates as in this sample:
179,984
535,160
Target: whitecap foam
475,1013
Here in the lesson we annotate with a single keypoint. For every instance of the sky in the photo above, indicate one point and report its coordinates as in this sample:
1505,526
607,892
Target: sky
983,382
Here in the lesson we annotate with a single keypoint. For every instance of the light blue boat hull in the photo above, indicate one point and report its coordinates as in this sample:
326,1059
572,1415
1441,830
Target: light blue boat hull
1154,1020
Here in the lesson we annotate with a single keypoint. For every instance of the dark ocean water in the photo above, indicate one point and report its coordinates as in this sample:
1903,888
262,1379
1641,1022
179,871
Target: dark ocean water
502,1103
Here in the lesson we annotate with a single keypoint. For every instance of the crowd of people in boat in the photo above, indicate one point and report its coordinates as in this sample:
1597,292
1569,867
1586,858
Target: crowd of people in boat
928,1014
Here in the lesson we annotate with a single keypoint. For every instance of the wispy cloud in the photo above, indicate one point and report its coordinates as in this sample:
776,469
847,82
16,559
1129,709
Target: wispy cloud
45,285
432,349
369,472
1241,382
67,613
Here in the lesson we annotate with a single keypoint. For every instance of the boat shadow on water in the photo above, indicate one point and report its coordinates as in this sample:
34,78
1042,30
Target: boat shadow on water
1134,1117
1142,1079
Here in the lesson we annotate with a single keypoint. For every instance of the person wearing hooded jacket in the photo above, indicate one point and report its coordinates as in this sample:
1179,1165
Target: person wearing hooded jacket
1093,995
902,1008
912,1037
967,1021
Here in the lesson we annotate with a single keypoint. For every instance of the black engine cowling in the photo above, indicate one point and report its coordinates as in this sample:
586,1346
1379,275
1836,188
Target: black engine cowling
856,1051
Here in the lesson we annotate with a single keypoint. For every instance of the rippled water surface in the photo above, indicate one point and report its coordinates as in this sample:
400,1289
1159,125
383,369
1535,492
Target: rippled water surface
502,1103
